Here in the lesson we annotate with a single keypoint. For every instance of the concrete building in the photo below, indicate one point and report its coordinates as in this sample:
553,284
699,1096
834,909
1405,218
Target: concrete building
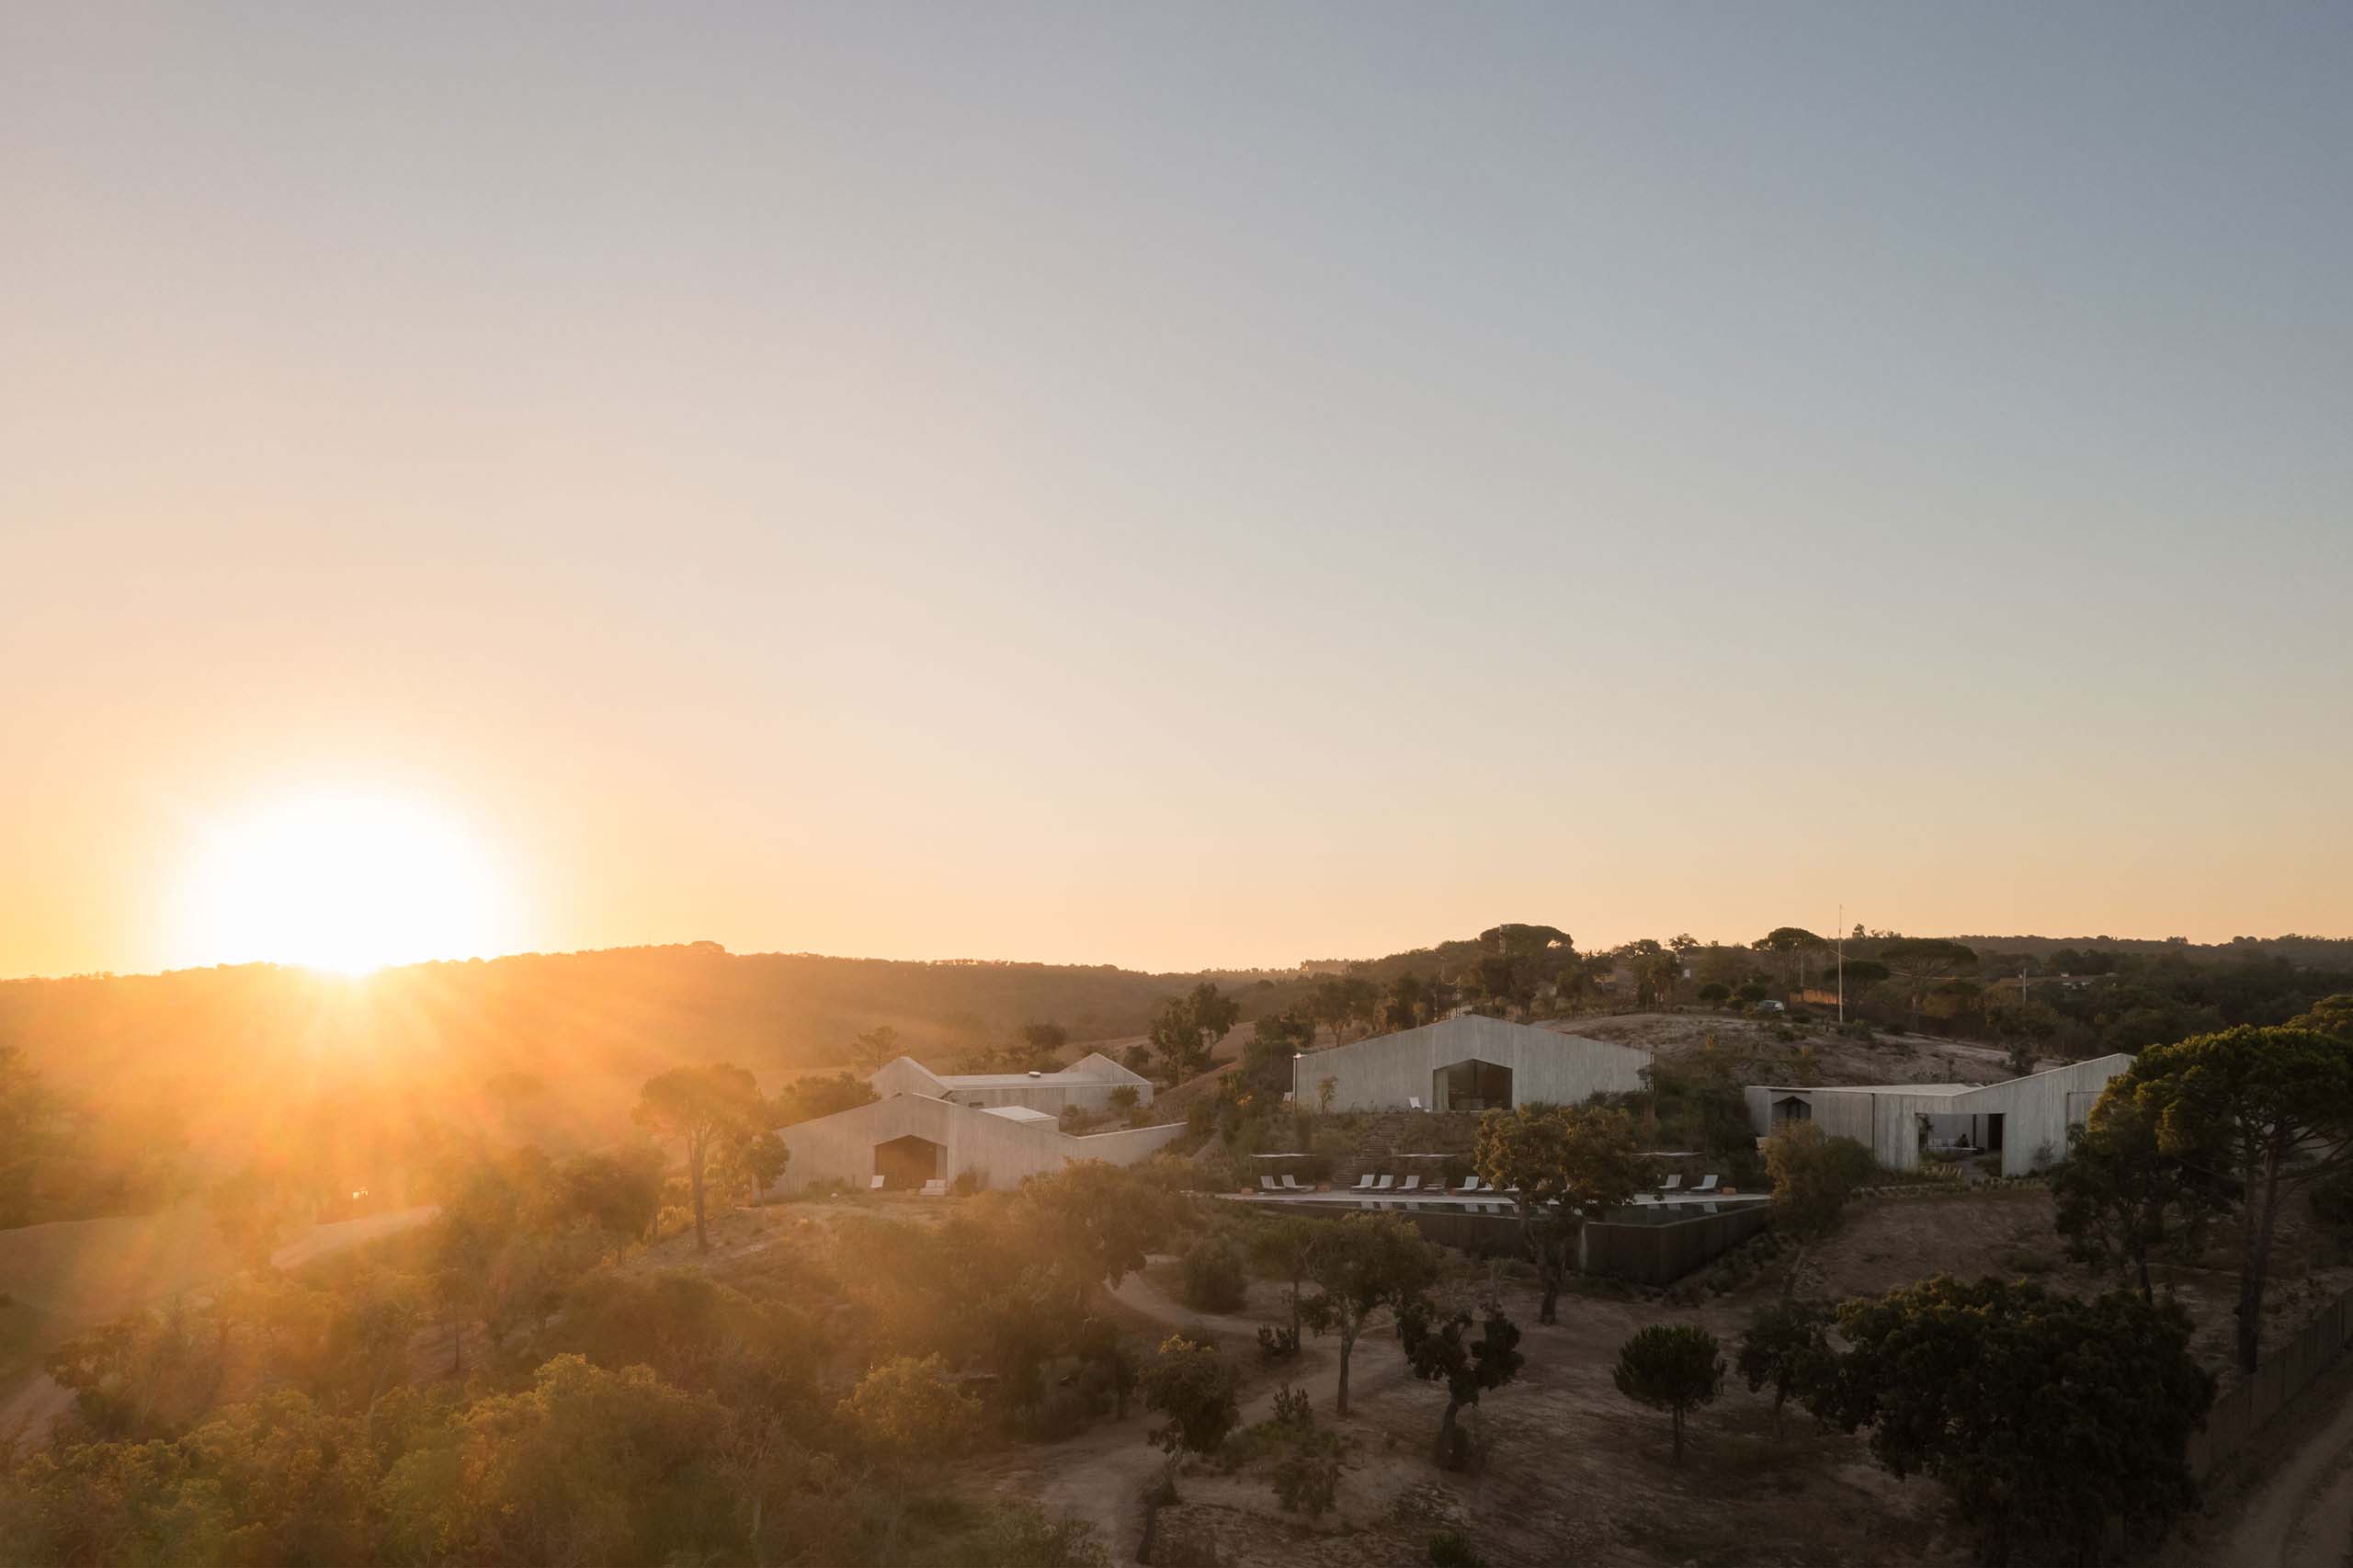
910,1139
1087,1083
2024,1119
1468,1063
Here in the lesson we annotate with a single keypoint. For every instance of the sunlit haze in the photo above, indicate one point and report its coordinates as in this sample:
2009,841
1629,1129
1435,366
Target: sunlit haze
1167,486
349,884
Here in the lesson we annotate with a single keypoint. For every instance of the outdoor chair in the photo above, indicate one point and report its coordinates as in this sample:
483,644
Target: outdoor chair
874,1185
1291,1183
1267,1184
1671,1183
1412,1102
1707,1184
1385,1184
934,1188
1364,1183
1471,1184
1411,1184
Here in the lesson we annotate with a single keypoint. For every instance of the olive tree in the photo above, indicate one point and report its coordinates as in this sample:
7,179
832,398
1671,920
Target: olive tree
1561,1165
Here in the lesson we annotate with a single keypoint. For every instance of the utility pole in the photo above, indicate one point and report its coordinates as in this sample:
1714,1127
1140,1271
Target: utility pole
1842,960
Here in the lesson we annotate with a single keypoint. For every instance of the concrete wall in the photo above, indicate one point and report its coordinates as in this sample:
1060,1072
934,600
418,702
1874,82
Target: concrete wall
1387,1071
2036,1111
998,1152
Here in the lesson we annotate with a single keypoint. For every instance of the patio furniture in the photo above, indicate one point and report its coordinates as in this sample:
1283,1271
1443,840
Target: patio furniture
1291,1183
1469,1184
934,1188
1707,1184
1412,1102
1267,1184
1671,1183
874,1185
1364,1183
1385,1184
1411,1184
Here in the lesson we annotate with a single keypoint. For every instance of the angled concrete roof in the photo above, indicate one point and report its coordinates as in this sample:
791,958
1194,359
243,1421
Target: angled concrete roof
906,1075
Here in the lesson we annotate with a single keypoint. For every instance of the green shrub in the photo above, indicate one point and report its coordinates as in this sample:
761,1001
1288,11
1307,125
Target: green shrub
1451,1549
1215,1280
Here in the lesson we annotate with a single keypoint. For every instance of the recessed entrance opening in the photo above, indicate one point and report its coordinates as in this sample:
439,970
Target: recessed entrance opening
1790,1107
906,1163
1470,1086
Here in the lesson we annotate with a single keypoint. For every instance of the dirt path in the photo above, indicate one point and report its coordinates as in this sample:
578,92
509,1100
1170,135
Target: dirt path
37,1401
1101,1475
2302,1516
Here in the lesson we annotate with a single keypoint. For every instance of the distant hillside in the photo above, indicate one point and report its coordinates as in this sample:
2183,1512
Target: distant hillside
231,1050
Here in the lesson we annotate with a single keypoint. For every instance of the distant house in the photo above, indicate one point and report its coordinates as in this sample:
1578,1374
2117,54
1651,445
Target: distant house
1468,1063
1085,1084
2025,1119
908,1138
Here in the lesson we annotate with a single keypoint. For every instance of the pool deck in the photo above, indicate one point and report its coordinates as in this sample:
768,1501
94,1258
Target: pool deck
1669,1207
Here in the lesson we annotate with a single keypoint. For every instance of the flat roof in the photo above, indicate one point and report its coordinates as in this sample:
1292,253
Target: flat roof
1017,1113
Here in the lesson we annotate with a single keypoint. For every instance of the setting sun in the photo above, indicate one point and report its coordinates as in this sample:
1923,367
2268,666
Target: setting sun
343,883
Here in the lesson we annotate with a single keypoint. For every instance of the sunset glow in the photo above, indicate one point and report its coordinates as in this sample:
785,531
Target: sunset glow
343,883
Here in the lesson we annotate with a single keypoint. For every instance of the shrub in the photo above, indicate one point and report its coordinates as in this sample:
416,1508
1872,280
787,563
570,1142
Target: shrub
966,1184
1451,1549
1277,1342
1307,1479
1291,1407
1214,1278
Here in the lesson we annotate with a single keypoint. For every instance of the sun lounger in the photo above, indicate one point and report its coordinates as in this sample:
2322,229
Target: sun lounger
1385,1184
1671,1183
1411,1184
1291,1183
1364,1183
1267,1184
874,1185
934,1188
1707,1184
1412,1102
1471,1184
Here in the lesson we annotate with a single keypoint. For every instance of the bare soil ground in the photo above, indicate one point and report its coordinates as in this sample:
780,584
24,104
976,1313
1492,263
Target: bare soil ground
1577,1474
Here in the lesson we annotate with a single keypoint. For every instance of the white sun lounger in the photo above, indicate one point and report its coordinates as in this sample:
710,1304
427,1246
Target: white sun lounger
874,1185
1291,1183
1385,1184
1267,1184
934,1188
1412,1102
1707,1184
1364,1183
1411,1184
1671,1183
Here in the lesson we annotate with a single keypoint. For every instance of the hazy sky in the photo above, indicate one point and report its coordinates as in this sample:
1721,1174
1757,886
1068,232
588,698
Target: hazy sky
1184,485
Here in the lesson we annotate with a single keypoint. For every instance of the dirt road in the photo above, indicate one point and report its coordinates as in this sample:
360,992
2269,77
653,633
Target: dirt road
2302,1516
36,1402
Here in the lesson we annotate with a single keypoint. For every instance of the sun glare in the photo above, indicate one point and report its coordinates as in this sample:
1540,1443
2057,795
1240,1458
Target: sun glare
343,883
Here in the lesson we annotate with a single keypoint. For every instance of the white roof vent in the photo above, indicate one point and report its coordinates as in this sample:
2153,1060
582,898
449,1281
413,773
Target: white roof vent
1035,1073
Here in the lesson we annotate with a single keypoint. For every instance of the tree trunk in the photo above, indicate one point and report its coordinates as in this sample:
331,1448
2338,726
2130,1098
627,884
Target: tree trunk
1347,1343
2141,1259
1548,1312
1444,1455
2257,1259
1781,1396
1676,1414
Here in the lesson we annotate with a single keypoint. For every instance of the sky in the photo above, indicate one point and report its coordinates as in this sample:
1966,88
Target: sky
1179,485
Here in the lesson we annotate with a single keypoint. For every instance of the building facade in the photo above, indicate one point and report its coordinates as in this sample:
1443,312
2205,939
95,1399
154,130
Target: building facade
1467,1063
2024,1119
909,1139
1087,1083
